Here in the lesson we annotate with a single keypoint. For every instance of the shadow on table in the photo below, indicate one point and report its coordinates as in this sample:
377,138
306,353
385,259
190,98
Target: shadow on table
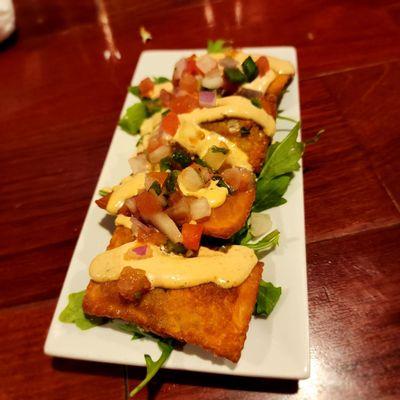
225,382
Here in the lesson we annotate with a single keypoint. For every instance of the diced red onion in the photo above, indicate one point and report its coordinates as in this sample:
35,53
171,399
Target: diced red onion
200,208
131,204
191,179
207,99
138,163
140,251
228,62
250,93
206,63
179,68
166,225
158,154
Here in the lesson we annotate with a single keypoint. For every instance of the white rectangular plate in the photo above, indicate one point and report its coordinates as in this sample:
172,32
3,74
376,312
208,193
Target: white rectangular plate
276,347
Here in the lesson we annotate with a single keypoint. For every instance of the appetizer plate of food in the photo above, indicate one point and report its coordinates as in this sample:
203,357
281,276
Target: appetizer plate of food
194,241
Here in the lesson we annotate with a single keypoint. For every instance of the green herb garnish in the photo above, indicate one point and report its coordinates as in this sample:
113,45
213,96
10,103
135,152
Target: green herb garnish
182,158
201,162
216,46
234,75
73,313
166,347
165,164
250,69
133,118
156,187
134,90
222,183
263,245
160,79
216,149
273,181
103,192
126,327
256,102
170,182
267,297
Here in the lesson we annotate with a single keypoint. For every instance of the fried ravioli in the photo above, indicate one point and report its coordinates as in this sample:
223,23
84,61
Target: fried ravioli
207,315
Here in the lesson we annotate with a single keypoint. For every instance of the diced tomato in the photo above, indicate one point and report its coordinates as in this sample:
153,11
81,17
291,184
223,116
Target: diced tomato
191,67
151,236
145,87
189,83
147,204
170,123
267,106
184,104
160,177
165,98
262,65
191,236
155,142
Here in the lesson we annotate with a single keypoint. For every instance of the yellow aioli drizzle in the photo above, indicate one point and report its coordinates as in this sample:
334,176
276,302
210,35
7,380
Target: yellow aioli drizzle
172,271
214,194
261,83
128,187
278,65
160,86
123,220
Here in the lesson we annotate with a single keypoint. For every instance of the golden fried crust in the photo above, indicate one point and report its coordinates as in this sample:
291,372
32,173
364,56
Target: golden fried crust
120,236
209,316
246,134
229,218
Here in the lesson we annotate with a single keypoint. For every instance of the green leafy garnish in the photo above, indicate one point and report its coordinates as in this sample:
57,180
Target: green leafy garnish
282,160
152,106
250,69
267,297
170,182
132,329
201,162
73,313
256,102
222,183
267,243
156,187
166,347
234,75
286,118
216,149
132,120
134,90
103,192
165,164
182,158
160,79
215,46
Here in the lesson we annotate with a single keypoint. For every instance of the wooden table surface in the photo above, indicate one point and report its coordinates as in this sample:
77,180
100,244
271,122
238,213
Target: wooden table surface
63,79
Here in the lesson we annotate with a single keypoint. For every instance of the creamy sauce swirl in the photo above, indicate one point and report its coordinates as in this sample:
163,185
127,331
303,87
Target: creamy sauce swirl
172,271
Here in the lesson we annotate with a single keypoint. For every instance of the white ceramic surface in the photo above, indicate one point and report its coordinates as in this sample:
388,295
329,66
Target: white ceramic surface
276,347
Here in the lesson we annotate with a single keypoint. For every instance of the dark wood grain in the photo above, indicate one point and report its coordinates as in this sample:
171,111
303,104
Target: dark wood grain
64,78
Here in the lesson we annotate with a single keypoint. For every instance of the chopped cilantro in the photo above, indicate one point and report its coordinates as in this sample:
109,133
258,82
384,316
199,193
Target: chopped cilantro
156,187
250,69
215,46
160,79
234,75
256,102
216,149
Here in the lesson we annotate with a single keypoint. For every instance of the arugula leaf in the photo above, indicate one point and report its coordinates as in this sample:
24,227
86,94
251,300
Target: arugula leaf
134,90
216,46
267,297
103,192
73,313
282,160
132,329
269,192
160,79
286,118
267,243
153,367
234,75
256,102
133,118
250,69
